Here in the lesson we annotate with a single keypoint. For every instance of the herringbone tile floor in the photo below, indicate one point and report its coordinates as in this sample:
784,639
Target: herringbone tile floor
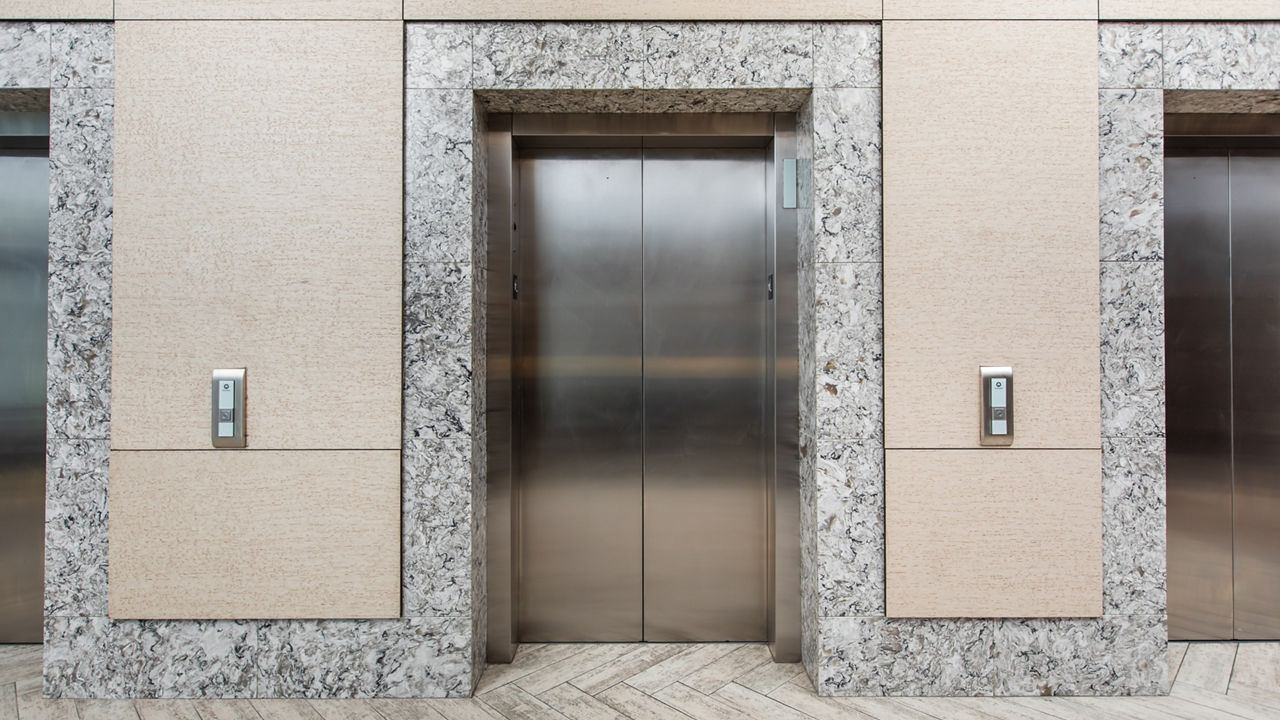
1213,681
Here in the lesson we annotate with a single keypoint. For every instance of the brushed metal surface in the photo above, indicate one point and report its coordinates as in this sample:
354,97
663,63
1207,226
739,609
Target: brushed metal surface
1198,387
561,567
705,297
24,257
783,451
579,443
500,515
1255,297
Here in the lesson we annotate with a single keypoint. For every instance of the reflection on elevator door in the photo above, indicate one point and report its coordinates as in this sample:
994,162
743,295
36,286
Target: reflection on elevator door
24,259
640,371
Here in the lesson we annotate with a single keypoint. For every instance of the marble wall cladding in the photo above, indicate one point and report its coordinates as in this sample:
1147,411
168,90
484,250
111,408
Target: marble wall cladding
438,55
83,55
24,54
415,657
883,656
102,658
1130,55
1132,342
1133,526
1131,186
728,55
849,350
78,380
437,351
1115,655
558,55
846,55
81,157
75,545
1222,56
436,534
810,612
847,182
439,141
850,527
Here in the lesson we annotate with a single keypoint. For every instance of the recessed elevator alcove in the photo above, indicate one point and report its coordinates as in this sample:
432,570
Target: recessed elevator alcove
642,344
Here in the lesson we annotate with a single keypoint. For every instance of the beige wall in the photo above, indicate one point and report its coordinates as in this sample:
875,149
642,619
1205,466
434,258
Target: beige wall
990,258
657,10
1189,9
990,9
1012,533
258,9
206,534
654,10
55,9
258,216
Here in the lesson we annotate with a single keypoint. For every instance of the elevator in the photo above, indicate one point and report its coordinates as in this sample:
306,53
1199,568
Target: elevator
648,443
1222,276
24,262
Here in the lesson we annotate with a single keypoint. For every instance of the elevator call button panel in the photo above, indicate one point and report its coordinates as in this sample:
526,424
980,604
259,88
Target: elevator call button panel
228,408
997,405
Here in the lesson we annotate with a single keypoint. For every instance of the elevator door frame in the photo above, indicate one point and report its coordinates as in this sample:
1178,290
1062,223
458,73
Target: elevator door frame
506,134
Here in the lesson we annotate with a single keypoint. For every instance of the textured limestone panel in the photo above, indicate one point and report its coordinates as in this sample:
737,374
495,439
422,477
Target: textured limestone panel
846,55
989,259
849,351
558,55
1131,183
1133,403
75,542
1188,10
1121,655
1133,526
56,9
846,174
24,55
226,534
884,656
1222,56
82,55
850,527
990,10
438,55
1130,55
415,657
993,533
274,244
650,10
728,55
95,657
258,10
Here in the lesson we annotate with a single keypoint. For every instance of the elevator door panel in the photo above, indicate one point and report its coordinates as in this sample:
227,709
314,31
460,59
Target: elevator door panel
1198,343
578,393
1255,289
24,262
704,358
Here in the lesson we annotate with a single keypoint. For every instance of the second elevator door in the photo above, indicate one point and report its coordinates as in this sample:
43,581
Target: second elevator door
640,337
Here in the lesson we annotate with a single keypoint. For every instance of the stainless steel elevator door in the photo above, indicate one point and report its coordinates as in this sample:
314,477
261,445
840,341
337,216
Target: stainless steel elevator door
704,363
579,444
1255,297
639,421
1198,380
24,262
1222,270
